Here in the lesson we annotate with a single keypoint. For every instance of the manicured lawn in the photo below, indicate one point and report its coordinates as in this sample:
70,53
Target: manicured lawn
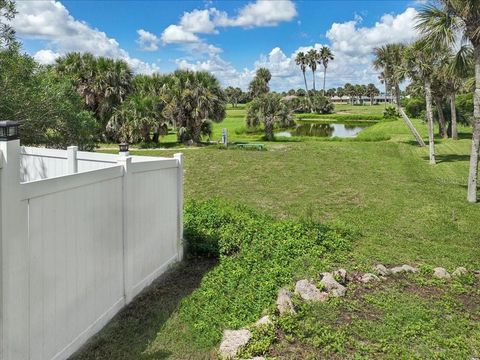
400,209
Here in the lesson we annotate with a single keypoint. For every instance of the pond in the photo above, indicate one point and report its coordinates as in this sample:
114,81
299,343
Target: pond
325,130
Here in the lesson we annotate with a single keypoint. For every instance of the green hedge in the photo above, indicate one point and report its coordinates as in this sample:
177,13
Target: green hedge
340,117
258,255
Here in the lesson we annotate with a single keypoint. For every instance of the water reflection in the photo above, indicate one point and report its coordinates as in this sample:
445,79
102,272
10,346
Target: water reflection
324,130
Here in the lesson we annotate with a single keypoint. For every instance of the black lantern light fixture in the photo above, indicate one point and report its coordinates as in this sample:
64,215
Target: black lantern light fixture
9,130
123,148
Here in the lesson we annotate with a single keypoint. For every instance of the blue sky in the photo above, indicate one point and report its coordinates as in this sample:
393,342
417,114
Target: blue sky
229,38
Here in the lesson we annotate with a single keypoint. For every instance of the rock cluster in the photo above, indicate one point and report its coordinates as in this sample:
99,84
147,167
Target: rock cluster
309,292
331,284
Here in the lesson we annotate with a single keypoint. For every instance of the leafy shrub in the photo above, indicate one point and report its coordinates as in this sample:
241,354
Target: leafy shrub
390,113
321,104
258,255
414,107
464,105
317,103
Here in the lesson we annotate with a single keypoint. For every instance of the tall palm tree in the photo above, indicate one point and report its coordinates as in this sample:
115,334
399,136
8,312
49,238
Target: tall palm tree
312,58
441,25
421,63
325,56
302,61
453,75
388,59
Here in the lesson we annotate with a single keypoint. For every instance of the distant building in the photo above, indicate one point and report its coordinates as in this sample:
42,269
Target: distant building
380,99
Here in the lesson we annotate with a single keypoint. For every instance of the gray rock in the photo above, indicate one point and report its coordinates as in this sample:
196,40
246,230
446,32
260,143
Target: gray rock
459,271
284,302
340,291
332,285
368,277
381,270
441,273
264,321
308,291
403,269
232,341
341,274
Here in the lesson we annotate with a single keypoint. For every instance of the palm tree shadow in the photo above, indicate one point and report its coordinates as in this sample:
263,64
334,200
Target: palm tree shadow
449,158
136,326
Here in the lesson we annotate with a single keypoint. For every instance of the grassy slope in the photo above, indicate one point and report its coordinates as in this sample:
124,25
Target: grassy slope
405,210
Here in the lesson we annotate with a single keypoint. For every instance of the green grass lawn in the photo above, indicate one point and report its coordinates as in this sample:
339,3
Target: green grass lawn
401,209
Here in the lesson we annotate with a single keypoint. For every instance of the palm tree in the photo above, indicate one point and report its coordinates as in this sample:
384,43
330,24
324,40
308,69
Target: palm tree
371,92
302,61
452,75
269,109
325,56
312,58
349,90
103,83
193,99
388,59
442,25
259,85
421,63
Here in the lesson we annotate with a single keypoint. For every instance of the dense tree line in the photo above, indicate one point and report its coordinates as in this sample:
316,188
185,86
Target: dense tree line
83,99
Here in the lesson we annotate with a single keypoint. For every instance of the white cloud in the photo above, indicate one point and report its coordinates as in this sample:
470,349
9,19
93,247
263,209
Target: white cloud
175,34
206,21
198,21
46,57
348,38
147,40
352,45
227,74
50,21
261,13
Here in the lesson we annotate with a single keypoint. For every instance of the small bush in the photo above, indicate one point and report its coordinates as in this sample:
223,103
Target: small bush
464,105
321,104
258,255
390,113
414,107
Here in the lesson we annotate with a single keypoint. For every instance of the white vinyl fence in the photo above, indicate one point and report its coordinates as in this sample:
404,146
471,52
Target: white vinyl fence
81,235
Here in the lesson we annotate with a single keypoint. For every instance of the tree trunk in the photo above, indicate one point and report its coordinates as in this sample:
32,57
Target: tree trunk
268,130
406,119
324,78
473,171
442,124
156,135
453,112
196,132
431,143
306,89
386,95
313,74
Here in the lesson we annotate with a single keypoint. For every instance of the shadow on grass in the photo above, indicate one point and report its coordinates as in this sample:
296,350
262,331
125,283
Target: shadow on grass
450,158
129,334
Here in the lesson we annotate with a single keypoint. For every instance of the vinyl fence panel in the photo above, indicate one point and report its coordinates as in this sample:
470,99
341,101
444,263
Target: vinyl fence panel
77,247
